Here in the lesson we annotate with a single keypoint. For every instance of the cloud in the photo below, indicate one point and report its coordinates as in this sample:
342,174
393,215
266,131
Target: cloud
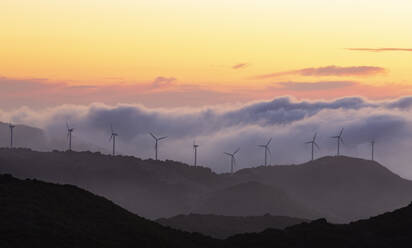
328,71
240,66
163,81
315,86
381,49
217,129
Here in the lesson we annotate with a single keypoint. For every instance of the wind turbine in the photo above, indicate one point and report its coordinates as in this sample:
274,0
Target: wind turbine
373,149
267,150
339,140
69,135
11,134
113,137
195,146
313,144
157,143
232,159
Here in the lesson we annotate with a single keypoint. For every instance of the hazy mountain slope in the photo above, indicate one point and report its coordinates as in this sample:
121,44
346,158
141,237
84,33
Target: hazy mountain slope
340,187
38,214
24,136
384,231
252,199
220,226
150,188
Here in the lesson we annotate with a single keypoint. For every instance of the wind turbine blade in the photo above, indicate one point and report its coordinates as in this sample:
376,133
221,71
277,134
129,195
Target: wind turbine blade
341,132
269,142
316,145
237,150
227,153
161,138
341,140
67,125
309,142
314,137
111,128
154,137
261,146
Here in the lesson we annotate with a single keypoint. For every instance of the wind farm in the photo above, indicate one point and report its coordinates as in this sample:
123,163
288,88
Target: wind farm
206,124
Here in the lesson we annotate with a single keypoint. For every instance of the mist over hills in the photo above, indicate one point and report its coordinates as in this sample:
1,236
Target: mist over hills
219,226
340,189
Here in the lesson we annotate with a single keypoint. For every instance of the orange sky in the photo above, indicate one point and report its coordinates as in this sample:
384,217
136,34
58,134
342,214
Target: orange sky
218,51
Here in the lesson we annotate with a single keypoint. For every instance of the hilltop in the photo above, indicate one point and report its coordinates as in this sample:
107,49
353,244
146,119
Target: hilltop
340,189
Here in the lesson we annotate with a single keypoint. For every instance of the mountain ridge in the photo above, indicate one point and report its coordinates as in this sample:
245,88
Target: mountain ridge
146,187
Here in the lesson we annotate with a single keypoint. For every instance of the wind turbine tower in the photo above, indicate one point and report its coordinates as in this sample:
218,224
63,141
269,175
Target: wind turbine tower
267,150
232,160
113,138
11,134
339,140
195,146
69,135
373,149
313,144
157,143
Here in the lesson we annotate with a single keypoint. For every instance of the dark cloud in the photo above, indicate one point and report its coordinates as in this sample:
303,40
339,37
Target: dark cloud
393,49
315,86
240,66
328,71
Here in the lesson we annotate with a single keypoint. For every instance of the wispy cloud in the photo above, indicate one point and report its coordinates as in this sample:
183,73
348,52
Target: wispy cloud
163,81
240,66
387,49
315,86
328,71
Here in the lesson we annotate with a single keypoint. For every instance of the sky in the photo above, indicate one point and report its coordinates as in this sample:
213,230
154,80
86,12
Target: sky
174,53
229,74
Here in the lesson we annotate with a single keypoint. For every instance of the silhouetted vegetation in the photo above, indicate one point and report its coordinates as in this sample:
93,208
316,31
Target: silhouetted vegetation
38,214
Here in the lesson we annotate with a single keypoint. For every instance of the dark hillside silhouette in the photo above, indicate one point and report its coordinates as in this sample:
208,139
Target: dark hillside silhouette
383,231
38,214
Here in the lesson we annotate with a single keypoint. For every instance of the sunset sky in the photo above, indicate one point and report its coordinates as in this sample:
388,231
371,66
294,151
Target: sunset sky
193,53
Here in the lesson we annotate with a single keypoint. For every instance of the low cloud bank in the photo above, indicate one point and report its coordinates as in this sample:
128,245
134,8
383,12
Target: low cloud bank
290,123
